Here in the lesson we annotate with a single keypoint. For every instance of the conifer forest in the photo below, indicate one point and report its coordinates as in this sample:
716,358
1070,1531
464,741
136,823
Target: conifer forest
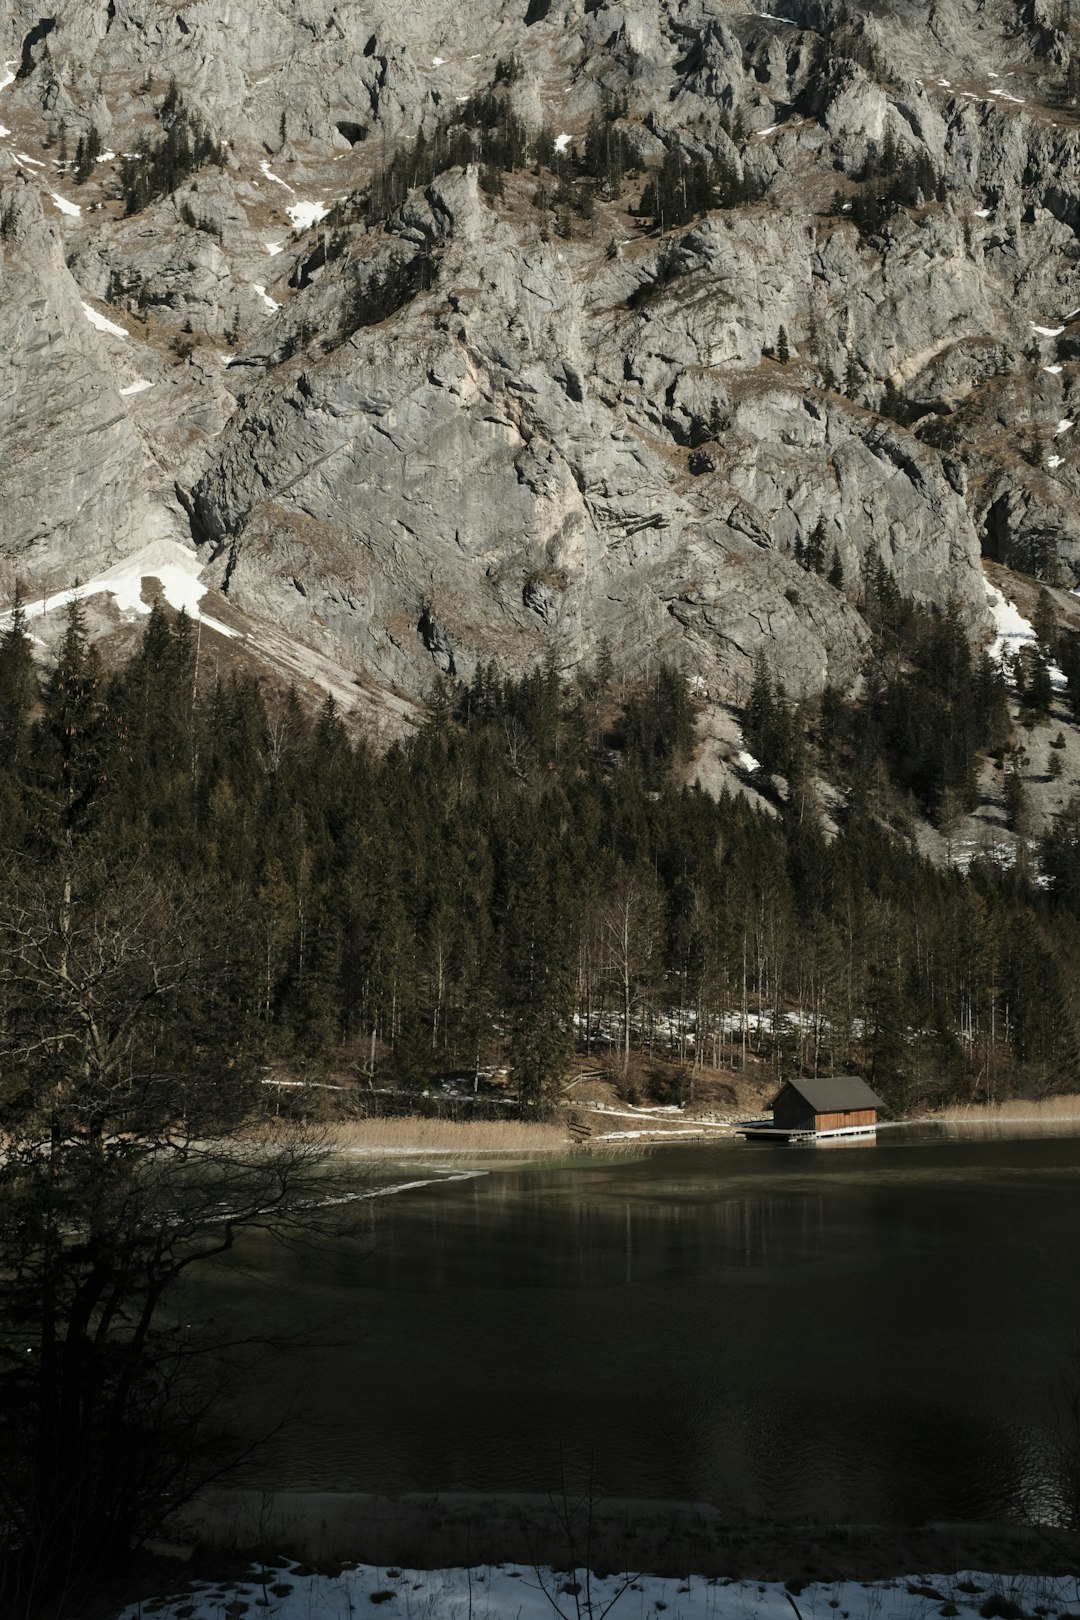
527,885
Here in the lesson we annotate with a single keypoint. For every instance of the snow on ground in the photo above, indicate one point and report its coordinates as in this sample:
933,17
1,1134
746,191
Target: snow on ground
4,131
1013,630
983,213
1064,426
272,248
524,1592
100,321
175,567
138,387
562,142
747,761
1047,331
35,163
64,206
1054,461
276,178
271,303
7,73
305,214
438,61
1053,370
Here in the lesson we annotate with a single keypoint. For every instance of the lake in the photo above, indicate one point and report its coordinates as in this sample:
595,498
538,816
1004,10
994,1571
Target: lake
867,1333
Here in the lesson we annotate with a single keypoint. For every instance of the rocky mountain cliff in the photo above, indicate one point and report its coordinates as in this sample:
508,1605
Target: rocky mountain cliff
453,333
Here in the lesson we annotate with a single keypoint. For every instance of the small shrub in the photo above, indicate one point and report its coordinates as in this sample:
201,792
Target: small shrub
999,1607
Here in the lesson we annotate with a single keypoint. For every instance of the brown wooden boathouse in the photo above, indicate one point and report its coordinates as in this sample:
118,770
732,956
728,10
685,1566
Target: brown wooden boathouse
833,1103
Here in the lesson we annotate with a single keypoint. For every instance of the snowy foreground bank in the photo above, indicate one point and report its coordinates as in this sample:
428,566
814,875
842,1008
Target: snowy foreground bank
521,1592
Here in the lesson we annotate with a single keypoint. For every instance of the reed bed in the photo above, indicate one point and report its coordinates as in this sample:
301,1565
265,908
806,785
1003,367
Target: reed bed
447,1136
1049,1112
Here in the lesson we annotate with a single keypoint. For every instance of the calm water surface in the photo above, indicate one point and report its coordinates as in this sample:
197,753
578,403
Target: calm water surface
873,1332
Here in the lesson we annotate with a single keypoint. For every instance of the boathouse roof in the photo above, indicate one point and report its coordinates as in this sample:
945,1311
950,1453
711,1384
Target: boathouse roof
833,1094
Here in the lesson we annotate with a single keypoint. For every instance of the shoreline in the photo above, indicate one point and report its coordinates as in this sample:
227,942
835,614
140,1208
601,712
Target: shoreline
438,1530
460,1143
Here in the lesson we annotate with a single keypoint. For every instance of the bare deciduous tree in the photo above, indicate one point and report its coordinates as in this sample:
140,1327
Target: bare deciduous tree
127,1100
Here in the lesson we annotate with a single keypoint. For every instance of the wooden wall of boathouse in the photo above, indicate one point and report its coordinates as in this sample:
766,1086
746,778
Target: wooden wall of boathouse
853,1116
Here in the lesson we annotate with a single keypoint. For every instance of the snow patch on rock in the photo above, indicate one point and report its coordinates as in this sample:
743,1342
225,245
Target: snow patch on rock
306,214
102,323
1013,630
175,568
276,178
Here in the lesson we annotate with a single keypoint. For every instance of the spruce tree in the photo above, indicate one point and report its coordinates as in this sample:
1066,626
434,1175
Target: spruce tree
71,729
17,687
814,552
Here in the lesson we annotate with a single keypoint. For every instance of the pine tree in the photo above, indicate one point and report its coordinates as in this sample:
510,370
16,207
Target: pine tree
71,730
852,376
1016,809
1044,623
767,726
17,687
814,552
1038,687
536,978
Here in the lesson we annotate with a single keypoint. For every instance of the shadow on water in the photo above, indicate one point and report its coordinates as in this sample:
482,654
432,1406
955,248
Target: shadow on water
780,1332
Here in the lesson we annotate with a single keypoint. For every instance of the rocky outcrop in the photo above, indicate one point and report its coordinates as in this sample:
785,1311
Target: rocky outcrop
564,425
79,485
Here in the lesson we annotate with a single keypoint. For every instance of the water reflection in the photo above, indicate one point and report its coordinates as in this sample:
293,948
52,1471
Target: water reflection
872,1336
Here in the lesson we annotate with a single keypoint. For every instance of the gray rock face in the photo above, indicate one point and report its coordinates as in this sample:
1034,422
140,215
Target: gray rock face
575,427
79,485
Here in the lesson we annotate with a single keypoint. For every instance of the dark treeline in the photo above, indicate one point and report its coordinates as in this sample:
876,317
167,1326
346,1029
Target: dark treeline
526,879
894,177
379,292
157,167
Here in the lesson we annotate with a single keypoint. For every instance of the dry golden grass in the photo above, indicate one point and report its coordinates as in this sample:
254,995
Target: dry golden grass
511,1136
1049,1111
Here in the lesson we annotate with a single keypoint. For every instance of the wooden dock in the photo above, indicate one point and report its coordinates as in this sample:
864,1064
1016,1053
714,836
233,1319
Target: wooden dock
763,1130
